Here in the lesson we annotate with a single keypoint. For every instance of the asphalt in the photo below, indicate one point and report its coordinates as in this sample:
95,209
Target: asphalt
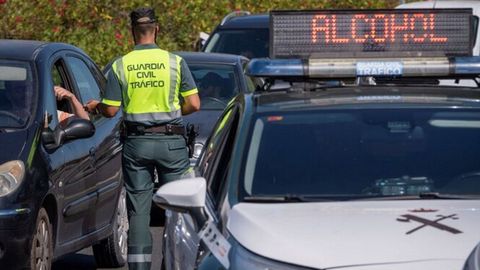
84,260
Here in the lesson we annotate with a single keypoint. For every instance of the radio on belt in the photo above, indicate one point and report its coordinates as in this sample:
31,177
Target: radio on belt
335,44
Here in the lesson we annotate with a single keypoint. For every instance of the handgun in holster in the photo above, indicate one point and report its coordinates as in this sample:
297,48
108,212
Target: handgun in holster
190,136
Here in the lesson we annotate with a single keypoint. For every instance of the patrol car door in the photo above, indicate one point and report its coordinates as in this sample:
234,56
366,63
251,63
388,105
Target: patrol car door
181,242
105,150
77,184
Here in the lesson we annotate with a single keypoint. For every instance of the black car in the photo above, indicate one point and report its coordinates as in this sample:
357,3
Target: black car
241,33
219,78
60,182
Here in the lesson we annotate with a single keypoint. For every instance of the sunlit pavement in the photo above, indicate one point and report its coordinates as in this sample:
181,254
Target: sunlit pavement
84,260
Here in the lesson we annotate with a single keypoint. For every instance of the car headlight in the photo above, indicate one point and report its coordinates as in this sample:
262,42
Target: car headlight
473,261
244,259
11,175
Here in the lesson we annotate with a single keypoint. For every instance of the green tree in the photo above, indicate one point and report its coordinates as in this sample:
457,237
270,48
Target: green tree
101,27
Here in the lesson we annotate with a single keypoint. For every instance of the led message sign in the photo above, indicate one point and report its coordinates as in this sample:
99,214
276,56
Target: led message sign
367,33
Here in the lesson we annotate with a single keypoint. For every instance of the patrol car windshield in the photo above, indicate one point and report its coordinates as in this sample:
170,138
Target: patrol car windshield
364,153
217,84
16,94
251,43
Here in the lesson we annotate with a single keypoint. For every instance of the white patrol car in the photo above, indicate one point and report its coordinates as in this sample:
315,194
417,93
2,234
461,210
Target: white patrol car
351,156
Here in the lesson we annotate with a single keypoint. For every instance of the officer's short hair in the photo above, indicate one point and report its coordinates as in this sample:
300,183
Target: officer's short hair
143,15
143,20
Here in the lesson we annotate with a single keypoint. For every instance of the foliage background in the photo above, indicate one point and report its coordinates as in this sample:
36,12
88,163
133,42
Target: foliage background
101,27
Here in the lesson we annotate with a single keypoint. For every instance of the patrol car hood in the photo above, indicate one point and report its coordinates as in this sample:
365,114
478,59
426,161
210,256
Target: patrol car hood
12,144
418,234
204,120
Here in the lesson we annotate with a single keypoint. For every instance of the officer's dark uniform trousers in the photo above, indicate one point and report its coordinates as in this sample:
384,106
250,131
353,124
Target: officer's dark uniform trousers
141,154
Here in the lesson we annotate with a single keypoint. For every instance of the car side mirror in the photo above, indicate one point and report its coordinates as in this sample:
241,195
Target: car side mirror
185,196
73,128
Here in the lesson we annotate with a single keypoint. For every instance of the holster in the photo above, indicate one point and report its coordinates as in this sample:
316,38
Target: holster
190,138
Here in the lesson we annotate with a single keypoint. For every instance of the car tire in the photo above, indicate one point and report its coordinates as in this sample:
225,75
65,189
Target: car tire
112,251
41,252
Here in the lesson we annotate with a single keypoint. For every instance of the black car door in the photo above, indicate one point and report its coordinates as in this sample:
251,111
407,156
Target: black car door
106,148
77,182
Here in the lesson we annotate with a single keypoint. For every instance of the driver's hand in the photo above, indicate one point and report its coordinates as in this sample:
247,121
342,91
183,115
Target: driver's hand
62,93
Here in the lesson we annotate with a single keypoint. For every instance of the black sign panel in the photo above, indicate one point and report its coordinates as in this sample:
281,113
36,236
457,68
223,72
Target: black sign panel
371,33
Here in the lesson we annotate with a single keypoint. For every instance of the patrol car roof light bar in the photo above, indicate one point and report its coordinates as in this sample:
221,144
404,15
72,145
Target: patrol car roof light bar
442,67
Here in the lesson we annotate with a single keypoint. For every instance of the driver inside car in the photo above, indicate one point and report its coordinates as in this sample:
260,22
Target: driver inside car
63,94
211,86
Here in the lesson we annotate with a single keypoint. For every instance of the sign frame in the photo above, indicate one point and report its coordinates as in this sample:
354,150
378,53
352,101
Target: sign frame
376,52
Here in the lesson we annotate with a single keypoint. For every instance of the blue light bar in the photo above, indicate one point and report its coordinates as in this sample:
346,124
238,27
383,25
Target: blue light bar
362,67
264,67
467,65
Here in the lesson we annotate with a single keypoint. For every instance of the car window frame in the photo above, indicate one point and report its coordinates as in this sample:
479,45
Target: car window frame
93,72
58,62
211,172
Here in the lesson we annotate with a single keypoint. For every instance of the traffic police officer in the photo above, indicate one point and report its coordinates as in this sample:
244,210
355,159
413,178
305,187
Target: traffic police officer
147,82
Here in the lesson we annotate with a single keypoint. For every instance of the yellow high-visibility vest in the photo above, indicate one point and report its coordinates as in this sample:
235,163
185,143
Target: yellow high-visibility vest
150,85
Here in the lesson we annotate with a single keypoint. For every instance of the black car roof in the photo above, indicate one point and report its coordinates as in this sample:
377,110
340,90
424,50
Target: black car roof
28,49
366,94
248,21
210,57
18,49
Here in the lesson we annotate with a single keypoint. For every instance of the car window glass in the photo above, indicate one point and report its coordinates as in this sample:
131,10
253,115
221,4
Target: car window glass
216,83
17,94
388,152
222,160
214,144
85,81
251,43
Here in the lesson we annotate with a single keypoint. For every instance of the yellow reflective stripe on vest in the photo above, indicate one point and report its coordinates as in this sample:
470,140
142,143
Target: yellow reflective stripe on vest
151,80
111,102
159,116
118,69
173,102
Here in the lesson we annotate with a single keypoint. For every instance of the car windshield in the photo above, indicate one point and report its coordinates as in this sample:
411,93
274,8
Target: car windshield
16,93
365,153
217,84
251,43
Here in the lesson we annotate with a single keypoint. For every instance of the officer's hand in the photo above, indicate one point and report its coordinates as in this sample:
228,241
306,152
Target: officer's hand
91,106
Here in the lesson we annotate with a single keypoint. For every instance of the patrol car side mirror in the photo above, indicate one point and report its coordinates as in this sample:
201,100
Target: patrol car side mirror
74,128
185,196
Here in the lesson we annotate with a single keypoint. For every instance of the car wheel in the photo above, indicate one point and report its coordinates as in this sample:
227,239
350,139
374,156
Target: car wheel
41,252
112,251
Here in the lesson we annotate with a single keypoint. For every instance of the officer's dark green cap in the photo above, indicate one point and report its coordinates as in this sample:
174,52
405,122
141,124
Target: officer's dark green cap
143,15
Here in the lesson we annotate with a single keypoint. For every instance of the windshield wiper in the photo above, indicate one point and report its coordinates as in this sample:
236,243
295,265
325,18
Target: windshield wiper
426,196
445,196
283,198
306,198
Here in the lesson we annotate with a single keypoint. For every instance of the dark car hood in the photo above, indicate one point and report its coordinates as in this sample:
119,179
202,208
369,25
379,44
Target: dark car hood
12,144
204,120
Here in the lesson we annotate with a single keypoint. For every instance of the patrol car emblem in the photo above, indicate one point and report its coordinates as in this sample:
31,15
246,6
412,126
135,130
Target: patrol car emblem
427,222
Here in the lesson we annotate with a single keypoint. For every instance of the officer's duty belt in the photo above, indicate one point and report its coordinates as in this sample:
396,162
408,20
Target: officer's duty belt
167,129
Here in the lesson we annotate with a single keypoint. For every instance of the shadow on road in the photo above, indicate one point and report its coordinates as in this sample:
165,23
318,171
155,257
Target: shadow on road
75,261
